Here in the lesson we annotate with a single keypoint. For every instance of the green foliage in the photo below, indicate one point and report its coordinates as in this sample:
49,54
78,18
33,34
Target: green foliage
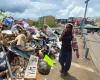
33,23
49,20
2,15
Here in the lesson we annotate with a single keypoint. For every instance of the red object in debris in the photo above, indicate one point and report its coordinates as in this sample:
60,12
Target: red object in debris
20,22
43,30
1,26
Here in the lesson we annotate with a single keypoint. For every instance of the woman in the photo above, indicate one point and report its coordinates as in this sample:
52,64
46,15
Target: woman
65,57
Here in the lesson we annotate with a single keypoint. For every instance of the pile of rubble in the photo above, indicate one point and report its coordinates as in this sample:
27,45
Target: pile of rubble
25,49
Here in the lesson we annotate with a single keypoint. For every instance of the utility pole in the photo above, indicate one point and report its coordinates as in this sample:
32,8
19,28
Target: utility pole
86,2
84,38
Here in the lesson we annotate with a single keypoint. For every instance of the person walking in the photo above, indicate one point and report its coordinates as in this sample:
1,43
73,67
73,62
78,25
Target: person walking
65,56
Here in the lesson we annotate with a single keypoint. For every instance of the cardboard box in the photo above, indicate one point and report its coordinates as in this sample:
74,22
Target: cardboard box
31,70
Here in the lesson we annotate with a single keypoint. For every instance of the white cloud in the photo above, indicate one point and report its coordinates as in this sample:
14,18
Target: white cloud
77,11
64,13
35,10
14,5
57,8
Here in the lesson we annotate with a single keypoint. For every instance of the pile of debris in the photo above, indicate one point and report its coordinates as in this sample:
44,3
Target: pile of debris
25,49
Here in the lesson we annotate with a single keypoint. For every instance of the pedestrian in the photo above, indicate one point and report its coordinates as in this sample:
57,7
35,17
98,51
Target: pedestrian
65,56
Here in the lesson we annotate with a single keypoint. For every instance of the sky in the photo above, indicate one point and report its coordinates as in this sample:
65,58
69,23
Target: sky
33,9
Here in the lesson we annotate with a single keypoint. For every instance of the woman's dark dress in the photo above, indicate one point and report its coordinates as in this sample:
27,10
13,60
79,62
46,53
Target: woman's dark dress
66,53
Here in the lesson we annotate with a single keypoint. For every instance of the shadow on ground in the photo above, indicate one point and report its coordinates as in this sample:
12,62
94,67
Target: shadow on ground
68,77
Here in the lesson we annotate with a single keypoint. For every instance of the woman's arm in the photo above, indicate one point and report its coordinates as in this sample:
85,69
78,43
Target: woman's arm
62,36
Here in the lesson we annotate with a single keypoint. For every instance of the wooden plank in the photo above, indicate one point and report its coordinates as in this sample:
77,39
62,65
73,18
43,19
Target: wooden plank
31,70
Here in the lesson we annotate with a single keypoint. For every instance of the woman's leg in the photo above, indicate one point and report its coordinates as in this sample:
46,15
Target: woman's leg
68,62
62,65
62,59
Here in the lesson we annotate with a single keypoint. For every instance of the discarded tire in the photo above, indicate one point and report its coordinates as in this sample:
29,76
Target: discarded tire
43,68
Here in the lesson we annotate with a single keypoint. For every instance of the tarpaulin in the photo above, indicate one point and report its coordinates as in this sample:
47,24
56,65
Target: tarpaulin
8,21
19,52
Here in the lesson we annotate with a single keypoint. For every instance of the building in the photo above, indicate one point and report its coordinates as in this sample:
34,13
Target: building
49,20
97,22
62,21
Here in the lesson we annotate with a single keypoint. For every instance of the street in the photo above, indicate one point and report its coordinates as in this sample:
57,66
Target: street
81,69
94,46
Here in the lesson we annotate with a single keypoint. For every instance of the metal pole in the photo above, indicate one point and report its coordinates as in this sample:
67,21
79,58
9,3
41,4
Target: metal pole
86,2
8,65
84,40
86,8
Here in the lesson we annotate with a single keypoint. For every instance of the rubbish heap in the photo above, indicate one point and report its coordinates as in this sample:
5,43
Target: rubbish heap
25,50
